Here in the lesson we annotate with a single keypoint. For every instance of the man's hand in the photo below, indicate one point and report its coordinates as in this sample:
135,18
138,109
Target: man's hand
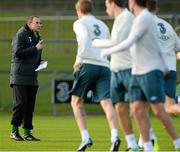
39,46
166,71
76,67
105,53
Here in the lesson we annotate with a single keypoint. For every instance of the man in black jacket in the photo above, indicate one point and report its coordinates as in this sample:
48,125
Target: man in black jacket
26,57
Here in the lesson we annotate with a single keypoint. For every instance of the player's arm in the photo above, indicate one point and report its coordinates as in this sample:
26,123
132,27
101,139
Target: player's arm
137,31
177,47
104,43
120,47
114,39
81,34
82,39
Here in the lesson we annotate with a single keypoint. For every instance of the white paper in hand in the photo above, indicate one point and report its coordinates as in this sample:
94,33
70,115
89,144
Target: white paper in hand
42,66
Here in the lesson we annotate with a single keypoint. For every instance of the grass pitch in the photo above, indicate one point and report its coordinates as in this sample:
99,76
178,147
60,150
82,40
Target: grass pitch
60,133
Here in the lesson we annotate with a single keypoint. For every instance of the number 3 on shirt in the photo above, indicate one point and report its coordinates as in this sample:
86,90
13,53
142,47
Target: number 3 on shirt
162,28
97,30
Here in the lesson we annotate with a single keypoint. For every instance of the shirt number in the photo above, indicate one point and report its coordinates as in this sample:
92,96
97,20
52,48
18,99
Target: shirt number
162,28
97,30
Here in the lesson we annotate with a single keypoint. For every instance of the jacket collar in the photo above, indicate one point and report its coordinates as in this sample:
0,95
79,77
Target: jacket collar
31,32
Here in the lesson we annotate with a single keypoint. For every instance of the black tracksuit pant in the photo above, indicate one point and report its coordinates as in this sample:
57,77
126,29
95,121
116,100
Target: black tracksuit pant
23,105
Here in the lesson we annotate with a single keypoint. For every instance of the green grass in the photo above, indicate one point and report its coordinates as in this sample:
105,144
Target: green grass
61,134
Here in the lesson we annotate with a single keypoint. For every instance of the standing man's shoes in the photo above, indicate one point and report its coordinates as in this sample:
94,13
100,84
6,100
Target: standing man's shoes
30,137
16,136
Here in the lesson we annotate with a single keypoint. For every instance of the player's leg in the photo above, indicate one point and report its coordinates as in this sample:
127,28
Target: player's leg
170,89
81,86
153,89
112,121
152,136
160,112
142,122
138,109
119,95
80,117
122,110
171,107
156,96
110,114
79,112
102,92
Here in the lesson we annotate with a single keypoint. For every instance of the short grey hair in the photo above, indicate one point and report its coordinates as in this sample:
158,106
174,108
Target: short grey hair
30,19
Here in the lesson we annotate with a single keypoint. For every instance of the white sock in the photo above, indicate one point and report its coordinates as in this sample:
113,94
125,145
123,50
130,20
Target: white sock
140,142
85,135
148,147
178,99
131,141
152,135
114,134
177,143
